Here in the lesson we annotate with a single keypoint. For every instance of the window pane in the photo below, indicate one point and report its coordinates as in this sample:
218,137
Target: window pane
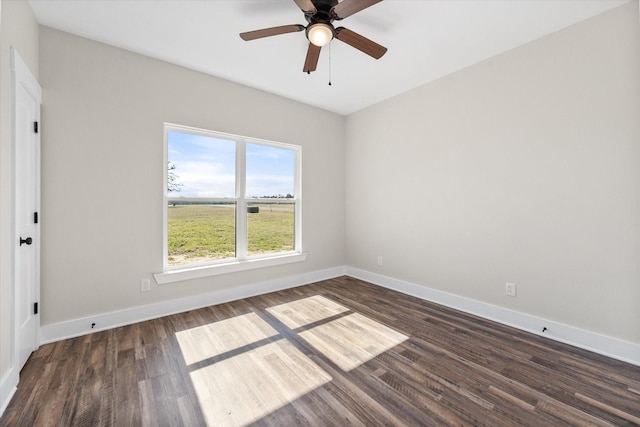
200,166
205,190
199,233
270,171
270,228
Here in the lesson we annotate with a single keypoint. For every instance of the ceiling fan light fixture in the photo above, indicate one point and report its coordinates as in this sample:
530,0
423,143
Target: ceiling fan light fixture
320,34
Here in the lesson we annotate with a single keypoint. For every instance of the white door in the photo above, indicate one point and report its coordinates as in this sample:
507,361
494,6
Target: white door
27,197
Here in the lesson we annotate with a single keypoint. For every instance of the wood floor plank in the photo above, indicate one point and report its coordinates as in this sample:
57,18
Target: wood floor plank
341,352
609,408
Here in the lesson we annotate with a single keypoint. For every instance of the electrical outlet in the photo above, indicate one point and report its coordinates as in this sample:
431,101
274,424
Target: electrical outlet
145,285
511,289
379,260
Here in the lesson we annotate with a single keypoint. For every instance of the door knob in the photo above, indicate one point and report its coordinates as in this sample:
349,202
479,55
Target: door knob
28,241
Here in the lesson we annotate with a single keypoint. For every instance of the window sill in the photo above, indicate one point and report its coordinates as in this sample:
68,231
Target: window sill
178,275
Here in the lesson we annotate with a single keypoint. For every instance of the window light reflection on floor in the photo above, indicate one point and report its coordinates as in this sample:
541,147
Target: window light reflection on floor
244,388
241,372
305,311
349,340
211,340
242,369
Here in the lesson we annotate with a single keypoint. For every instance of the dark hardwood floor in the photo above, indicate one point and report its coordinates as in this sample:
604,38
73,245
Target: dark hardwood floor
335,353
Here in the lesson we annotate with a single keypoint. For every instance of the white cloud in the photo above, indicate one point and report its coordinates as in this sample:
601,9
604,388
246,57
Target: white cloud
205,179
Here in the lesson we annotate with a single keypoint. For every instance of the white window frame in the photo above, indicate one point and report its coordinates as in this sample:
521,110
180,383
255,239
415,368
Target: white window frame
242,261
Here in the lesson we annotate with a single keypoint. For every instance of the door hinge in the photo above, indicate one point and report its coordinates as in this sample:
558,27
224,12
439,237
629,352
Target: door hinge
35,217
35,308
35,127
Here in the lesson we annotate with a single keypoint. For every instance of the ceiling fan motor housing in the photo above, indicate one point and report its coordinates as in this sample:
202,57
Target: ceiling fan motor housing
324,13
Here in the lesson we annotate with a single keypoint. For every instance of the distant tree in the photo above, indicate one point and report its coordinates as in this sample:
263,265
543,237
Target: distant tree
277,196
172,178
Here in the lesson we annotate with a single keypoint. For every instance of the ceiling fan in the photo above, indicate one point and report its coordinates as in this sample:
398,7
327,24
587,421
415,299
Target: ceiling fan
320,15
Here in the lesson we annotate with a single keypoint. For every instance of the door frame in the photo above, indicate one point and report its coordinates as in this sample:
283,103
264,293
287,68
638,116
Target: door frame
22,77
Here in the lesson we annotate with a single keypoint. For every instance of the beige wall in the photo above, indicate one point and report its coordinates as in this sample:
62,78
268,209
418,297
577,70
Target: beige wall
18,29
523,168
102,171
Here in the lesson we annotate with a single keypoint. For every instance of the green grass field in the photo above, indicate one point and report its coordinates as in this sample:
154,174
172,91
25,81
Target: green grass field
200,233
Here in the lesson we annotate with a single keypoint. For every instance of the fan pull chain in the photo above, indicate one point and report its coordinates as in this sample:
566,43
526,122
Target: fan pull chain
329,64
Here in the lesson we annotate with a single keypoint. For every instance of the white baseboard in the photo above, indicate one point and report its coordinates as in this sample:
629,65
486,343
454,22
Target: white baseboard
8,387
607,346
77,327
597,343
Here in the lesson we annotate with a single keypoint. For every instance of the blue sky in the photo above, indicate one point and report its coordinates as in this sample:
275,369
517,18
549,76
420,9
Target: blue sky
205,167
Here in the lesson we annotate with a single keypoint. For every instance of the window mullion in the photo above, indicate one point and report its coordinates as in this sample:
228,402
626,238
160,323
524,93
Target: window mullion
241,203
298,202
165,204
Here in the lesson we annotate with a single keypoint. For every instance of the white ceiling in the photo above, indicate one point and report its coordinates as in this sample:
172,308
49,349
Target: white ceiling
426,40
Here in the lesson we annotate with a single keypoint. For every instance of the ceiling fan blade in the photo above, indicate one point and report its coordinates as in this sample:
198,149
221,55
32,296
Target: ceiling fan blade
361,43
273,31
306,6
311,62
349,7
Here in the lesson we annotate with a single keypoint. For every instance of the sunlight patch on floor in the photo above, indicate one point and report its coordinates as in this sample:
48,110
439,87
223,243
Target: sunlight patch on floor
305,311
214,339
247,387
243,371
348,341
352,340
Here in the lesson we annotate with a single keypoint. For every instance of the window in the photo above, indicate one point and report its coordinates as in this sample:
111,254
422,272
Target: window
229,199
